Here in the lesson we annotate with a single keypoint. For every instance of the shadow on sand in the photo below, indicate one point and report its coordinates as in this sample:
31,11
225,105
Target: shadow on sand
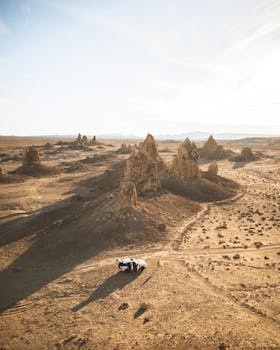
58,238
110,285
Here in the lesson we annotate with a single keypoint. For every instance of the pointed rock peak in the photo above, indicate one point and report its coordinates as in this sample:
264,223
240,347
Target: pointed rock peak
149,138
185,162
149,147
187,142
211,144
187,145
194,145
211,139
189,149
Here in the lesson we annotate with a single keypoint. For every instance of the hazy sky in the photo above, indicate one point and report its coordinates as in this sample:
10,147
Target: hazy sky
139,66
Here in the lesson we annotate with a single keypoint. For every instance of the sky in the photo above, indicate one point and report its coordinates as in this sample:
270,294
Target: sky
134,67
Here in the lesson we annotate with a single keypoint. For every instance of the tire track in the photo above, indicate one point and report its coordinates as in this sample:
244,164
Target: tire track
221,292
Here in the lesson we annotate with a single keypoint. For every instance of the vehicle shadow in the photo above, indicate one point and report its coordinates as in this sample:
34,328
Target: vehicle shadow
109,286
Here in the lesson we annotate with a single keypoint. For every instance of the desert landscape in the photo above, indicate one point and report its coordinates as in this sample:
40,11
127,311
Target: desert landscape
204,215
139,175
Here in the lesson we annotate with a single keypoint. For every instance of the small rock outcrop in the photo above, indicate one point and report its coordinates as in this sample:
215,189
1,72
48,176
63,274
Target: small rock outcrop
93,140
213,169
7,178
32,165
246,155
124,149
128,194
31,157
84,140
79,139
212,150
185,163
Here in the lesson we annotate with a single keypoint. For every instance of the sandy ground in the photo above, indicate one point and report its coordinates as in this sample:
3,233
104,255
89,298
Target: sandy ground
212,281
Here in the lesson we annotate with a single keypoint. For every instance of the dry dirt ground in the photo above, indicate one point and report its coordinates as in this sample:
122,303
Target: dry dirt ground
213,275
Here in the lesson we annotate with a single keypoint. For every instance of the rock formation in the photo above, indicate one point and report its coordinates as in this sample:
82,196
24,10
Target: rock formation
93,140
124,149
246,155
32,165
31,157
143,166
141,173
185,164
79,139
128,194
211,150
7,178
213,169
211,145
84,140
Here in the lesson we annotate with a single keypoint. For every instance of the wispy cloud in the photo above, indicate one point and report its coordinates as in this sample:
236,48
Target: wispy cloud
155,38
209,61
262,26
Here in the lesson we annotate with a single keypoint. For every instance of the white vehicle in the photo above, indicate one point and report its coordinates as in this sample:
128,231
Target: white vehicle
131,264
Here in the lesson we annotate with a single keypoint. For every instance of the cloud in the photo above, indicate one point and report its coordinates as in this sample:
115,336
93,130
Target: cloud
162,36
259,31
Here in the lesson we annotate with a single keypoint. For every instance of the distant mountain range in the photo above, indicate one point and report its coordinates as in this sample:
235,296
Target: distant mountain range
201,135
196,135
